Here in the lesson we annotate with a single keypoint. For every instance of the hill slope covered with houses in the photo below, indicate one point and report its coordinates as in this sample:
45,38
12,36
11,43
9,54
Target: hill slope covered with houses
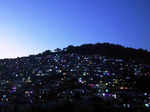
95,76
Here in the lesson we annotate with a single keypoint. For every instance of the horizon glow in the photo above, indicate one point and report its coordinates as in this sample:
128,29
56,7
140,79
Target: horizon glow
31,26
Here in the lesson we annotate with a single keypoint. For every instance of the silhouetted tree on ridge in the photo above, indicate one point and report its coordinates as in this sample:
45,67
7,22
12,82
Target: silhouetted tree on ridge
112,50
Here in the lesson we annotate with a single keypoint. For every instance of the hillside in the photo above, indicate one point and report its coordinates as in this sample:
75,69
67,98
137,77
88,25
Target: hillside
97,77
112,50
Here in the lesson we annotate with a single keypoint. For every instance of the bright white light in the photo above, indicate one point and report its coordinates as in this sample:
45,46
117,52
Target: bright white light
146,105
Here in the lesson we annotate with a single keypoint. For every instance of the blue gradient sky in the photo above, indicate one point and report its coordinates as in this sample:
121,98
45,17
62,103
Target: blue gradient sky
32,26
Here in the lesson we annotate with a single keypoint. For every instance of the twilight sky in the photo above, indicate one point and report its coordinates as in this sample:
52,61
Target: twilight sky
32,26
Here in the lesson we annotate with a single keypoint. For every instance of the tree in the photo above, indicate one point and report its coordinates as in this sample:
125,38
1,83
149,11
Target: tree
57,50
47,52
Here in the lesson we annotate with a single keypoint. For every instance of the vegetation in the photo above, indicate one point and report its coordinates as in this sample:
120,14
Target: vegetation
111,50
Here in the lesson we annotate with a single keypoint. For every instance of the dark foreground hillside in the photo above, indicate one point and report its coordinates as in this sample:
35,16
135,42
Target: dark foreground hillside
112,50
87,78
